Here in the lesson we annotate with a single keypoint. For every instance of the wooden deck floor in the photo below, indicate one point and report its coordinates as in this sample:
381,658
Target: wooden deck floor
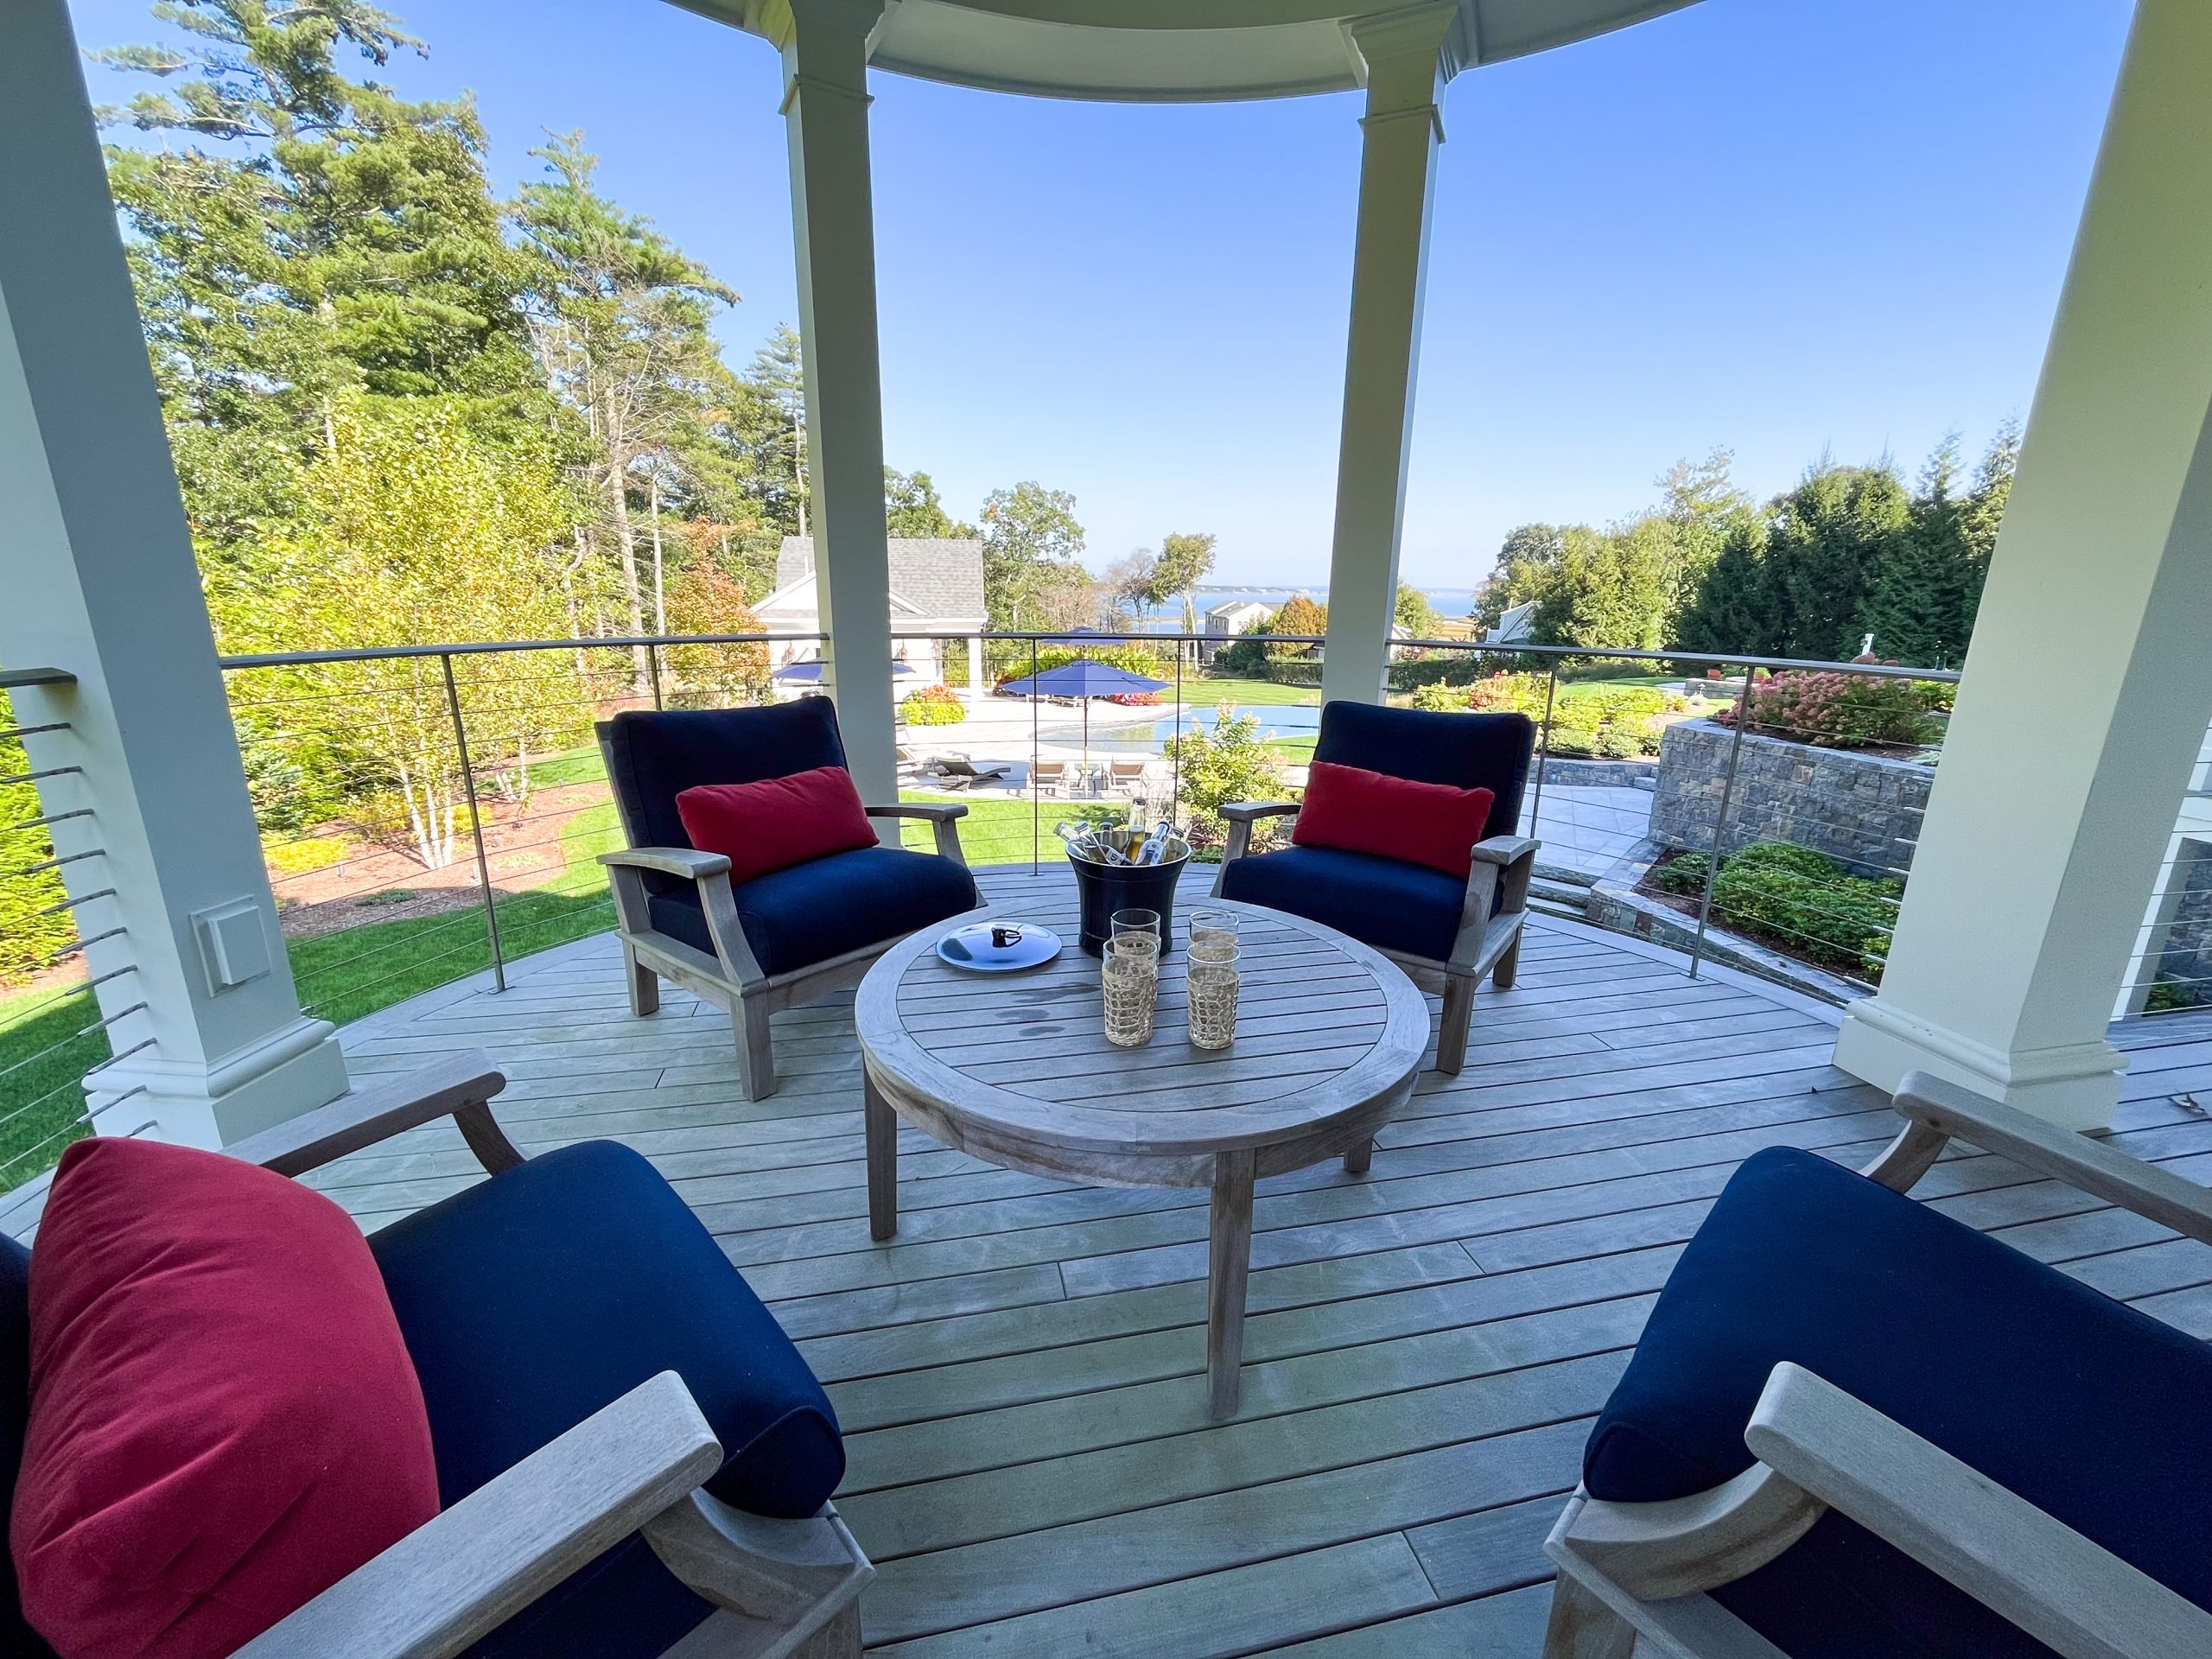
1018,1373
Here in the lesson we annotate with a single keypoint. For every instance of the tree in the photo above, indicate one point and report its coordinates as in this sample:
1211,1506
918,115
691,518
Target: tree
1027,532
1729,612
1183,563
298,234
1412,612
911,508
705,600
1127,585
1827,544
419,528
779,374
621,318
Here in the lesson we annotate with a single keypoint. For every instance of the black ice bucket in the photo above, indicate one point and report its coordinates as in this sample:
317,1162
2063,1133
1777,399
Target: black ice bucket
1105,888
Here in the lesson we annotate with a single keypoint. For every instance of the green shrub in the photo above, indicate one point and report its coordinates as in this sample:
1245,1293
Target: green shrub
1786,856
2170,995
1230,763
1685,872
1803,901
933,705
1441,699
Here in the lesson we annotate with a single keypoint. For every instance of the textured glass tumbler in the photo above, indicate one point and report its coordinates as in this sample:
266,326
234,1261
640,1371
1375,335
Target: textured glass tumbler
1136,930
1130,978
1212,989
1211,929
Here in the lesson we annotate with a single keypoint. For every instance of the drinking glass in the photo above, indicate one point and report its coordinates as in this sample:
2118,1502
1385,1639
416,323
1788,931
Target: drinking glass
1213,935
1135,931
1131,983
1211,989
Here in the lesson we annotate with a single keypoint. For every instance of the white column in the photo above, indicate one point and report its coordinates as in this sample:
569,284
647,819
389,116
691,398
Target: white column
96,560
826,114
1400,134
2088,682
975,666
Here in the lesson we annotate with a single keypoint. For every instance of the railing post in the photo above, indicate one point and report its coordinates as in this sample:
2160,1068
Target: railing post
475,821
1175,784
1543,745
1720,825
1036,788
653,668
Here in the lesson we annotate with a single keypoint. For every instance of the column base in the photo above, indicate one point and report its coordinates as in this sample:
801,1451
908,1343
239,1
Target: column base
2074,1085
289,1072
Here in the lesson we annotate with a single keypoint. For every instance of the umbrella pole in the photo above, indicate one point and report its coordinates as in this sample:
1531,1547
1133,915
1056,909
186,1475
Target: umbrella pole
1086,739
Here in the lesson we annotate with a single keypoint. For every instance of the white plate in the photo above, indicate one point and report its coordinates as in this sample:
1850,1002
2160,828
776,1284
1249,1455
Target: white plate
987,948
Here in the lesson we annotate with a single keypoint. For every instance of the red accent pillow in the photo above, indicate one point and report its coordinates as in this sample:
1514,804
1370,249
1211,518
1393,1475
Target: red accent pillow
224,1419
1360,812
777,821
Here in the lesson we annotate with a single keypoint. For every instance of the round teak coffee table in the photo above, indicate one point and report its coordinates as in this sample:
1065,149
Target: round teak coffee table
1015,1068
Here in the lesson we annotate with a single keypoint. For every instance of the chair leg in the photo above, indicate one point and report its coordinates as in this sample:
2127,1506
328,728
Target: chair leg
1360,1159
839,1639
756,1054
1583,1627
1451,1028
645,985
1510,963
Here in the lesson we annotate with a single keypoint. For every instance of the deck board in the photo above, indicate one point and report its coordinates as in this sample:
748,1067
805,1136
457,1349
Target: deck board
1020,1372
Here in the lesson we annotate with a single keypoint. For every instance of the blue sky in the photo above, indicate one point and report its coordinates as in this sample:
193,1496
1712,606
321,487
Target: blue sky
1820,225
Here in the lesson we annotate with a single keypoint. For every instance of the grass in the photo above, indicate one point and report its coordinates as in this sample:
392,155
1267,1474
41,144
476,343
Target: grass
1205,691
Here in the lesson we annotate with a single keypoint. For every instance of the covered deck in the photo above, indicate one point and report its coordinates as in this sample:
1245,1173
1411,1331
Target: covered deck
1020,1372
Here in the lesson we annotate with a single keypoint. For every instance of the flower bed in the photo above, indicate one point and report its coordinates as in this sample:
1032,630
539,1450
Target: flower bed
1799,901
933,705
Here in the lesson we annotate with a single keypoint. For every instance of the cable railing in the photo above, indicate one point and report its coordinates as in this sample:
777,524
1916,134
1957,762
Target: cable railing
431,812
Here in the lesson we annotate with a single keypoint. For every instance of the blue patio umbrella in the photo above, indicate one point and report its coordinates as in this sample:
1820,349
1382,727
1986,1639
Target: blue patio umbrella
1083,679
809,672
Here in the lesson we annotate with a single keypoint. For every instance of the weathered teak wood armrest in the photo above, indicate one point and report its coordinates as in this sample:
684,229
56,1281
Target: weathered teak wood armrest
941,816
1505,850
460,1086
2067,1592
1240,815
1936,1112
685,861
449,1582
783,1580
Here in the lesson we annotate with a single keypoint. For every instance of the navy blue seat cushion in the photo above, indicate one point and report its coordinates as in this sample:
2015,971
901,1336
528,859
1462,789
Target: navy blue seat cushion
812,912
16,1637
1489,752
531,1300
2092,1411
1378,901
653,755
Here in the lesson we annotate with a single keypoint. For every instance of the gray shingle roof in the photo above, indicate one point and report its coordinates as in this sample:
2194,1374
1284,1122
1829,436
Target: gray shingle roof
939,578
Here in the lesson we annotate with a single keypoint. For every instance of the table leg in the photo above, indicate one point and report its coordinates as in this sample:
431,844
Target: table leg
1229,1266
1358,1161
881,1124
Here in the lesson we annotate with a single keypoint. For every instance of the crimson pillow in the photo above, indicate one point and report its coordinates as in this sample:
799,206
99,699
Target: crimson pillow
777,821
224,1419
1360,812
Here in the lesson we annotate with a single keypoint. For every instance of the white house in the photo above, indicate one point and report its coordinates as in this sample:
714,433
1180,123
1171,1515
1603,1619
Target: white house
1229,620
936,594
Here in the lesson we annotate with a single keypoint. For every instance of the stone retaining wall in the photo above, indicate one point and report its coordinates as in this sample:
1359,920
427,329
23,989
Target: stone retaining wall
1863,810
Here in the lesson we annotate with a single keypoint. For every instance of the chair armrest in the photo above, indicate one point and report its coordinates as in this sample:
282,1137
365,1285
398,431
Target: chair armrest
1504,850
2059,1586
1940,1108
450,1581
934,811
1253,812
670,861
459,1086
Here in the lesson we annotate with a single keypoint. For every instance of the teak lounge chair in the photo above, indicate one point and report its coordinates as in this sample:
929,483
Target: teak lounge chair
779,940
1419,917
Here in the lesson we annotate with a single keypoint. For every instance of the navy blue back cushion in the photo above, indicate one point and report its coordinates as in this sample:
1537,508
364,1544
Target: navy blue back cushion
16,1637
1489,752
653,755
2092,1411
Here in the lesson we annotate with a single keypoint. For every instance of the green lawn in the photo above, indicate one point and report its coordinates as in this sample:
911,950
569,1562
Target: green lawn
1207,690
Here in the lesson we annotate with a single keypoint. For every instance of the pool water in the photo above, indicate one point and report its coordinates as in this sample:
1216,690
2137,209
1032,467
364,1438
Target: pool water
1277,720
